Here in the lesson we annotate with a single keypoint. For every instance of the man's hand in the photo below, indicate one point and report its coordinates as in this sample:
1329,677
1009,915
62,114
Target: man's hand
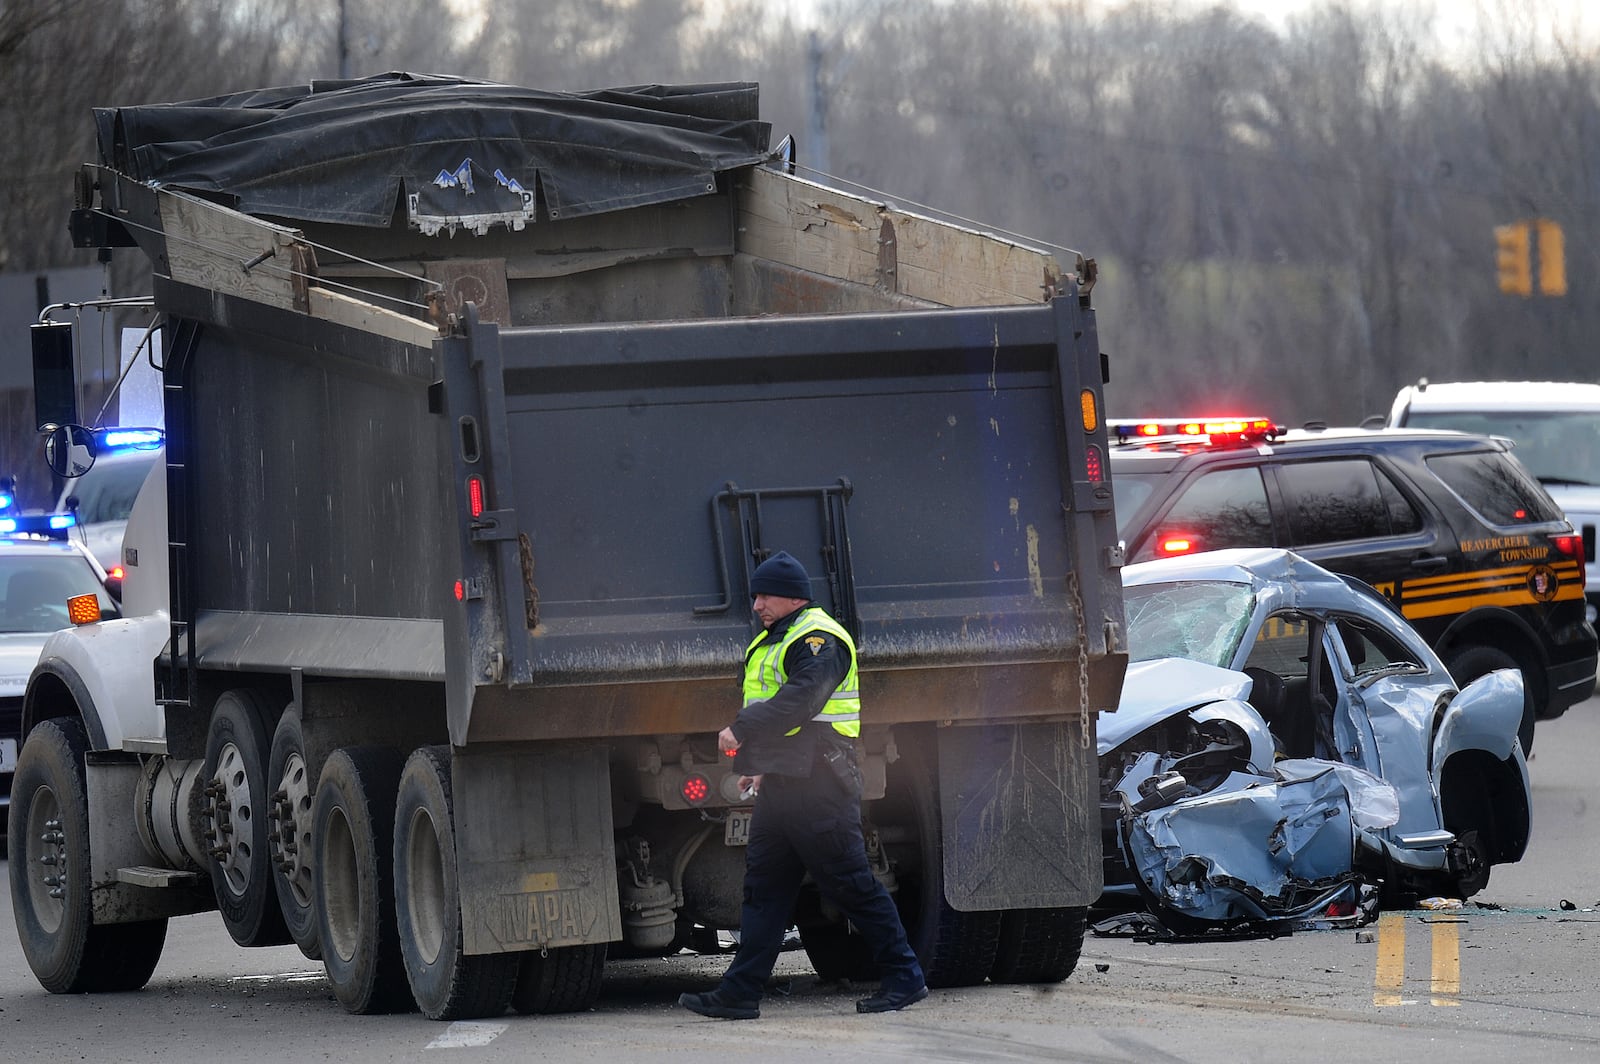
749,786
727,741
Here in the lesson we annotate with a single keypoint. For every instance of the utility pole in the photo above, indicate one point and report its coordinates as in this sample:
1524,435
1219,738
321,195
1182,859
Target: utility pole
344,44
816,107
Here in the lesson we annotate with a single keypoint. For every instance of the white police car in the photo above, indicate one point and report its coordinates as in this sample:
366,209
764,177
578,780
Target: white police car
102,497
37,577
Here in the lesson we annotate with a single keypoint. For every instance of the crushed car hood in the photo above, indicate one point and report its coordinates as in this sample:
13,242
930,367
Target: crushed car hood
1156,689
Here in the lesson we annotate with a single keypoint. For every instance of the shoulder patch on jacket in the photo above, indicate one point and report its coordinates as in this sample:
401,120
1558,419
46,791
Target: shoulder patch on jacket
816,643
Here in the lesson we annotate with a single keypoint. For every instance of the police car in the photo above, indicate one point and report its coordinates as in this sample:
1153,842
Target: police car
101,499
39,572
1556,426
1450,527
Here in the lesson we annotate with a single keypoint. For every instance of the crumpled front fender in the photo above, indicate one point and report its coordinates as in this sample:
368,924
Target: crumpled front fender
1272,851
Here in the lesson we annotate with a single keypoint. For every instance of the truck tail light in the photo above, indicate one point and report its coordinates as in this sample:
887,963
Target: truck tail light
696,788
1094,464
475,497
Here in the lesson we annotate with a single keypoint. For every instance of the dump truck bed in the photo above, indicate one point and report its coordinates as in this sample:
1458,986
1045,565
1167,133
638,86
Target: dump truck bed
530,444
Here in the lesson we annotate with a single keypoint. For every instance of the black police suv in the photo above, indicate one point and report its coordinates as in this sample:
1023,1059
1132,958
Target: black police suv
1450,527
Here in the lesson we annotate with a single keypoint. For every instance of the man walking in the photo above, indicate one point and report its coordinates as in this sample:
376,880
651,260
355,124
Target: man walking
795,743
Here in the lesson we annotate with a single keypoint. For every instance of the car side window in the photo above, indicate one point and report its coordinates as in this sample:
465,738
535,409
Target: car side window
1221,508
1371,649
1496,487
1342,499
1280,646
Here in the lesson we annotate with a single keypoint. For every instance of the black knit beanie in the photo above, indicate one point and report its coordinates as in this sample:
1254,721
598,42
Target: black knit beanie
783,576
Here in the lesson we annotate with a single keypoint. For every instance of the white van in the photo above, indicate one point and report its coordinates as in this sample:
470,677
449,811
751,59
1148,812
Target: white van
1556,426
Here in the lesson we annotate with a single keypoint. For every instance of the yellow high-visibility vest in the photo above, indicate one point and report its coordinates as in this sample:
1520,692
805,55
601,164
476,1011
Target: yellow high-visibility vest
764,672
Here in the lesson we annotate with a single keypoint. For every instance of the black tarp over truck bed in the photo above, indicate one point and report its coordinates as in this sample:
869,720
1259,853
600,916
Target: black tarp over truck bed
662,360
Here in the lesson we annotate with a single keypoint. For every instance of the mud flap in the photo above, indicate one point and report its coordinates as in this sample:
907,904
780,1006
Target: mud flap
536,862
1021,817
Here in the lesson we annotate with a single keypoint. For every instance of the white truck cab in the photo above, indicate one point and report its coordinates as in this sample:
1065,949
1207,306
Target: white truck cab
1556,427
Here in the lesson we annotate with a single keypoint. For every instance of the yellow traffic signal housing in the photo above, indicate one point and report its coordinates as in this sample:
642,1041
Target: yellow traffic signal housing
1513,260
1552,258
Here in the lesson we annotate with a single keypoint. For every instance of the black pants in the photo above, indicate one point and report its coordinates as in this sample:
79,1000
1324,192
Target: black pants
812,825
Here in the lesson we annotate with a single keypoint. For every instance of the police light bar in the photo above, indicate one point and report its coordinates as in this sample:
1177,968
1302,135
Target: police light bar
1226,428
111,440
52,526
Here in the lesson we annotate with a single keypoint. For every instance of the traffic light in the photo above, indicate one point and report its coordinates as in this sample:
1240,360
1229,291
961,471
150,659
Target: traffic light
1512,259
1522,245
1552,258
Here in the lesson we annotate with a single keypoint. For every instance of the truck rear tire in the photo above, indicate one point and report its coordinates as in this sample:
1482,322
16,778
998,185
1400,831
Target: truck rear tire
448,984
237,805
289,829
1039,945
559,980
352,859
49,863
954,948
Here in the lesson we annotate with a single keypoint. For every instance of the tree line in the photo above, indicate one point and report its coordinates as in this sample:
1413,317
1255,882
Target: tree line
1293,220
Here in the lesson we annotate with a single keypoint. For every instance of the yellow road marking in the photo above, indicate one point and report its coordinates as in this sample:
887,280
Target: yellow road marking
1389,977
1446,963
1391,971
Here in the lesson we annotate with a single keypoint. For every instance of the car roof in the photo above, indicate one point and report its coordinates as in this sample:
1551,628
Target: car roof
1236,565
1502,395
44,548
1341,439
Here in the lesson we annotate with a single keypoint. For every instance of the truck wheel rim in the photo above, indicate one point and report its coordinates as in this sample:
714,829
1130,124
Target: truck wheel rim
291,832
425,902
341,887
232,814
47,874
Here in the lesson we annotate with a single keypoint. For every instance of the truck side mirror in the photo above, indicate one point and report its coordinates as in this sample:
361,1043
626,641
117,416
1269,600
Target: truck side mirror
69,450
55,388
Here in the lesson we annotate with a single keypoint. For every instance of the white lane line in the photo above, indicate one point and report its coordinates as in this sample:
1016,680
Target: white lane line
466,1033
286,977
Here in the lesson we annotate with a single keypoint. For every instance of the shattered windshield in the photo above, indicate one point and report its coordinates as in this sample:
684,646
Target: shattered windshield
1202,620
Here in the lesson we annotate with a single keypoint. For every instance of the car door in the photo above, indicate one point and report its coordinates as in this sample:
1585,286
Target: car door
1215,507
1384,722
1350,515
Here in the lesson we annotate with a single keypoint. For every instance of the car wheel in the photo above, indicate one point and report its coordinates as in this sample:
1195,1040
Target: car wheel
1468,663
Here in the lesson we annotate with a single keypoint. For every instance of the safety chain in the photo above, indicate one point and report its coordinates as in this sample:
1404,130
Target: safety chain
1083,662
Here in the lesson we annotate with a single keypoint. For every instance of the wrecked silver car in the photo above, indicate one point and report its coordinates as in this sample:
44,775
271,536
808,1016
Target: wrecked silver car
1285,742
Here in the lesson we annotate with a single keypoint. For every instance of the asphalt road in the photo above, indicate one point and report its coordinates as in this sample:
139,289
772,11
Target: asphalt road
1511,982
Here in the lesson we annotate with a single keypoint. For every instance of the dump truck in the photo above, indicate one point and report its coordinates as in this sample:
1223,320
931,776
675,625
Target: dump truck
481,405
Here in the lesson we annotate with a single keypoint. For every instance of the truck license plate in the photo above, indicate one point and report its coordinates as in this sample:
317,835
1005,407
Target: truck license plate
737,831
8,755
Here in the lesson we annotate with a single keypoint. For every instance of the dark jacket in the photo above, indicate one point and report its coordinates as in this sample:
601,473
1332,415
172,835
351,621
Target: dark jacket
760,726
